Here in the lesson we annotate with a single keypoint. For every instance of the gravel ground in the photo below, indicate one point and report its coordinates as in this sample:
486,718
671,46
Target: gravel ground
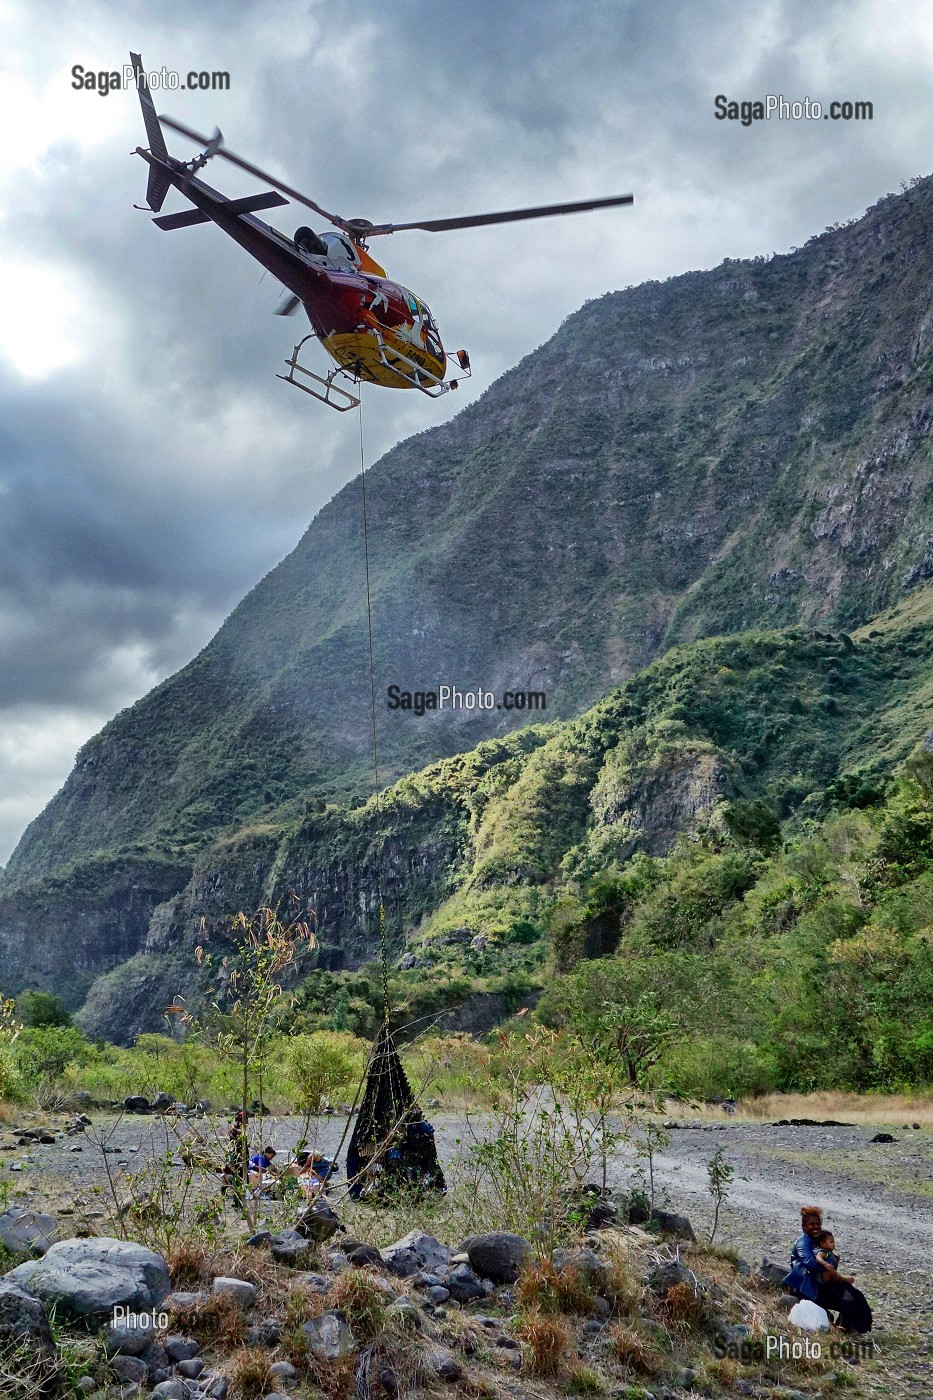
878,1198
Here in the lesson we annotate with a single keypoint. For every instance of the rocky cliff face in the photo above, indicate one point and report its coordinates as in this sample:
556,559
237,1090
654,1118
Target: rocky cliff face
742,447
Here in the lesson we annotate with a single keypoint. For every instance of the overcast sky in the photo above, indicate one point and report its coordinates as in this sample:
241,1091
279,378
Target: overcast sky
152,468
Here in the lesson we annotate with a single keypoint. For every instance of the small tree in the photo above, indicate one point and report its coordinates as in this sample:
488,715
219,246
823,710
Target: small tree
248,988
720,1174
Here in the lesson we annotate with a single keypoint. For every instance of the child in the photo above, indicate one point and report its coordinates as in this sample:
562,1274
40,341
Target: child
825,1253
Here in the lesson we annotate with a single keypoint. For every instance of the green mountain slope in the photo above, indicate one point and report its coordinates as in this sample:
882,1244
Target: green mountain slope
480,854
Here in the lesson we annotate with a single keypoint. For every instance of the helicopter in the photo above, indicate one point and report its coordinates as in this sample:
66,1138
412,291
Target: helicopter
372,328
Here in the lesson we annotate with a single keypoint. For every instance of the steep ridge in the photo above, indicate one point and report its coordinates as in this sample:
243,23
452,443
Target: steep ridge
742,447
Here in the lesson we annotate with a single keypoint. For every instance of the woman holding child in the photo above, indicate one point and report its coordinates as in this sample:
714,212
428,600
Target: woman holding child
814,1274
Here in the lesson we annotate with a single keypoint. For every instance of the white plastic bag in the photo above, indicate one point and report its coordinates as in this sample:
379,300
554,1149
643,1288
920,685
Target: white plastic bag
809,1317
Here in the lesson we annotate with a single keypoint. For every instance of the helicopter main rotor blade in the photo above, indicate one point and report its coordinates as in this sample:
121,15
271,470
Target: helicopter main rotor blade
507,216
251,169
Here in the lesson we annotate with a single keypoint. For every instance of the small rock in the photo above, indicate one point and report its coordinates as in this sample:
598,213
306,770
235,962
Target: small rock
686,1378
437,1294
318,1222
275,1395
289,1247
509,1343
771,1274
180,1348
666,1276
444,1366
336,1261
388,1380
284,1371
27,1232
884,1137
261,1237
170,1390
463,1285
236,1288
161,1103
313,1283
329,1337
363,1255
136,1103
85,1385
182,1300
191,1369
129,1368
129,1339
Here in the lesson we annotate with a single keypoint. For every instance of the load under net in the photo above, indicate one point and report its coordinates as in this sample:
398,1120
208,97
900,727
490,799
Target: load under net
392,1147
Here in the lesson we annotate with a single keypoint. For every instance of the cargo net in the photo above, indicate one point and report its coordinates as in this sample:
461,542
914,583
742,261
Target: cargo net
392,1149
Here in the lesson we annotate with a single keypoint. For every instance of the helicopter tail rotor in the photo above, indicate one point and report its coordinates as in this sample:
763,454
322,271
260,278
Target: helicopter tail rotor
159,180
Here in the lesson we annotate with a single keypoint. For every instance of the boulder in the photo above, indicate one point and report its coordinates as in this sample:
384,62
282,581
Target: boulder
136,1103
318,1222
415,1253
670,1223
89,1278
285,1372
162,1103
314,1283
498,1256
27,1232
329,1336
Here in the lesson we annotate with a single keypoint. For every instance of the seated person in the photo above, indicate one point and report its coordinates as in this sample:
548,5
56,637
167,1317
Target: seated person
260,1165
826,1253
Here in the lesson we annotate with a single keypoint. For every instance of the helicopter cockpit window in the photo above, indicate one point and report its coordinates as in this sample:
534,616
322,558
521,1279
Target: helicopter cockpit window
341,251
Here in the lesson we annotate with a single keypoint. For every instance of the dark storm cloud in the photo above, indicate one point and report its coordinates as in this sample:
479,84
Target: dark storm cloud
150,480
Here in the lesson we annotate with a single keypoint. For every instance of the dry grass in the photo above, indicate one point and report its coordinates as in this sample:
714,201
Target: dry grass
624,1288
359,1295
636,1352
867,1109
251,1374
583,1380
217,1319
187,1265
544,1289
683,1305
546,1343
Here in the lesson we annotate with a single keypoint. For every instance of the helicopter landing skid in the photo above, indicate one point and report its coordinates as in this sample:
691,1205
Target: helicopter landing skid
334,395
419,377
